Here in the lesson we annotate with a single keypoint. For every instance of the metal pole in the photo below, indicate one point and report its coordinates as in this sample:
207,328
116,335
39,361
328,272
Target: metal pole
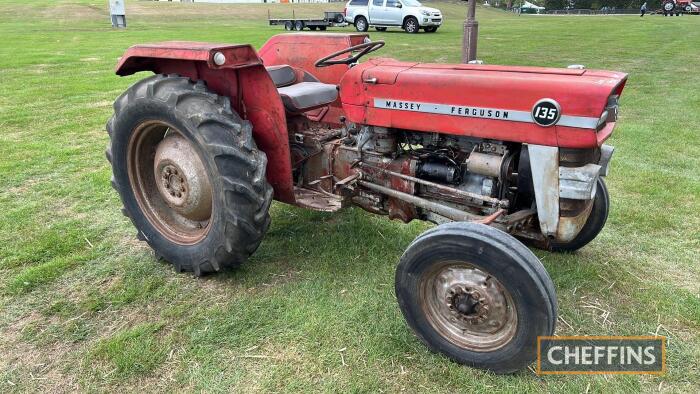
471,31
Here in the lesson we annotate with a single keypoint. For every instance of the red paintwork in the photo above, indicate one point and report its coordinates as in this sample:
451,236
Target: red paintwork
146,56
301,50
253,95
579,92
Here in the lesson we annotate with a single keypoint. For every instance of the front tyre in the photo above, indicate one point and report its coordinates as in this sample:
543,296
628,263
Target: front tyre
476,295
411,25
361,24
189,174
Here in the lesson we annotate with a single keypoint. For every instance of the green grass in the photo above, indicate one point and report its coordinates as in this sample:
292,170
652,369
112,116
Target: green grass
85,306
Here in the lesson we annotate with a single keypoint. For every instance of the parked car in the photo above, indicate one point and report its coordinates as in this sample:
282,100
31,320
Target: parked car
409,15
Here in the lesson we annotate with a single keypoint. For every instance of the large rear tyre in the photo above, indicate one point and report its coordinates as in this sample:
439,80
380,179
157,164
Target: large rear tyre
476,295
189,174
594,224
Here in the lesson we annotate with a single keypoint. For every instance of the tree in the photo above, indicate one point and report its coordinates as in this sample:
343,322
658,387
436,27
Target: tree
555,4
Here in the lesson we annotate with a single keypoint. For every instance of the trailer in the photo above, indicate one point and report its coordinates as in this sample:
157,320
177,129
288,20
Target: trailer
330,19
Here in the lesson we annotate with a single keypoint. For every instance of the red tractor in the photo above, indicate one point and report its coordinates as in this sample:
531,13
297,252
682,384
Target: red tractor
678,7
494,155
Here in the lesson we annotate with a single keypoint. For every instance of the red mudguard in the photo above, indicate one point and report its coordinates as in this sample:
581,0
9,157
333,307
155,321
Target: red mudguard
242,78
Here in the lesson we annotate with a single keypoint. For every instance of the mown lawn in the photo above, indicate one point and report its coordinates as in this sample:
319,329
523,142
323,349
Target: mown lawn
83,305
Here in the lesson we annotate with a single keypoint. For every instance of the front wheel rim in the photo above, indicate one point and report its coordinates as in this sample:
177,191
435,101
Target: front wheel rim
467,306
410,26
170,182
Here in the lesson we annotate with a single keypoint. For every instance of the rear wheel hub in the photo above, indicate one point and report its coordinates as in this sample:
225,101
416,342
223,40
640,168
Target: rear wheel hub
181,178
170,182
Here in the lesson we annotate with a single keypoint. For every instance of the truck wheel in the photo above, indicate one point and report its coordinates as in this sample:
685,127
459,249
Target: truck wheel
411,25
594,224
298,25
431,29
189,174
339,18
361,24
476,295
288,25
380,28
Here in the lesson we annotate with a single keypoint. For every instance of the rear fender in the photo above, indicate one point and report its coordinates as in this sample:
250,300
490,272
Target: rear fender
243,79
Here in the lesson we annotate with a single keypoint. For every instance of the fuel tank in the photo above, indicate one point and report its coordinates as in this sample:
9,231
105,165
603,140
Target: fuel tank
573,108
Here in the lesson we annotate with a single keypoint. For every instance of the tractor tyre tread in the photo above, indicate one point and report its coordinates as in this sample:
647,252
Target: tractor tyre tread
239,168
517,264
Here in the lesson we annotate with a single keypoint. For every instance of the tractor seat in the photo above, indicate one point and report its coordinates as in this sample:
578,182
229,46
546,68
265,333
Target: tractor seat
305,96
282,75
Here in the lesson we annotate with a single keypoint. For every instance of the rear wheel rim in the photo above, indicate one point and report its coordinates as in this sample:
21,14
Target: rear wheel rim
170,182
467,306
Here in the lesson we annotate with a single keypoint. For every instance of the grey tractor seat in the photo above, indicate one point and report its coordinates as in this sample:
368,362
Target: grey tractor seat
282,75
305,96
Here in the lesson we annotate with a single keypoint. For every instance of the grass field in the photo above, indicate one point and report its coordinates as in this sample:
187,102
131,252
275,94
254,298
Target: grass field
83,305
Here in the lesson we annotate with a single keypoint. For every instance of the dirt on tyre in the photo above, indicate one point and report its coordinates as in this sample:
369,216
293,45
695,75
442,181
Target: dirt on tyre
476,295
188,173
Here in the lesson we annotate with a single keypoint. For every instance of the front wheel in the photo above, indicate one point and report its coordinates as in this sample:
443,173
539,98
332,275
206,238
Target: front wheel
361,24
411,25
476,295
189,174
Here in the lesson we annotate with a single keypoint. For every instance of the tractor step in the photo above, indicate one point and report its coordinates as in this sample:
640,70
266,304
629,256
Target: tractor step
316,200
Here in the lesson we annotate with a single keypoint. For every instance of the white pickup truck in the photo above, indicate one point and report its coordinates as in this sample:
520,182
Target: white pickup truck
409,15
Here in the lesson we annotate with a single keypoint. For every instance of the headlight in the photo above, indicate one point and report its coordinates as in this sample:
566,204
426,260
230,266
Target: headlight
424,12
610,112
612,107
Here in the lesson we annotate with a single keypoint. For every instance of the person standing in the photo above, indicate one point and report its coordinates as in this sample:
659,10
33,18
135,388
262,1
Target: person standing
643,10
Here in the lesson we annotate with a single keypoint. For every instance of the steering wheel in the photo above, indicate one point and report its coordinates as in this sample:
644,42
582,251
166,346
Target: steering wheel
363,49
